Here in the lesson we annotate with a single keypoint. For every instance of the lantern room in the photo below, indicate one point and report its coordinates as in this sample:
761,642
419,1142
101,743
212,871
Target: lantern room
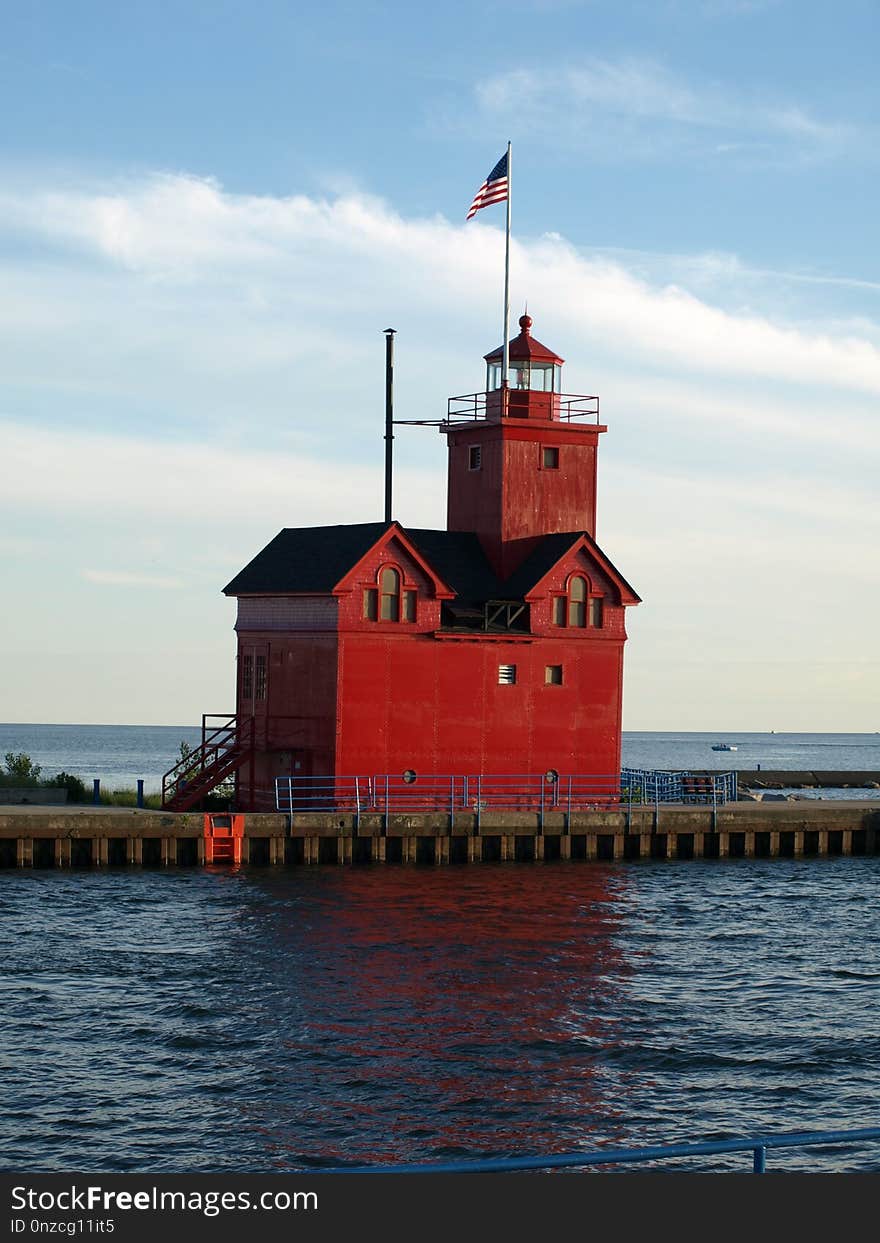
531,365
534,379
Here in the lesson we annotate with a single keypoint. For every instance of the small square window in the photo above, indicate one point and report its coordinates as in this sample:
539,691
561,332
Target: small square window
553,675
550,458
409,606
506,675
475,457
596,612
371,604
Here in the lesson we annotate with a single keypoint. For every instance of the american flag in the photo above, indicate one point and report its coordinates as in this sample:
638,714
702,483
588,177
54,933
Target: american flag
493,189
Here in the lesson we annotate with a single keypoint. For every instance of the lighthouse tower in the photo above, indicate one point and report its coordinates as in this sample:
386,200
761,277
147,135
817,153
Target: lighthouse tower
522,460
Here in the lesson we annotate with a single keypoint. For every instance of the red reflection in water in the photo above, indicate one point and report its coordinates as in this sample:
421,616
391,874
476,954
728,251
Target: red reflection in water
461,1010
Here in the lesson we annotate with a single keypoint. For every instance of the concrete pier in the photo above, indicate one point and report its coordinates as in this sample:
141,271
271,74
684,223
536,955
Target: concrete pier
41,837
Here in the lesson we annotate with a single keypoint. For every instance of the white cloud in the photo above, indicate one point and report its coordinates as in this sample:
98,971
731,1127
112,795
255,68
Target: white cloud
635,87
262,282
637,107
672,325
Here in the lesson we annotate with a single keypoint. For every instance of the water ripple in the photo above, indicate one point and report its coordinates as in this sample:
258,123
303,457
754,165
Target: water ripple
263,1021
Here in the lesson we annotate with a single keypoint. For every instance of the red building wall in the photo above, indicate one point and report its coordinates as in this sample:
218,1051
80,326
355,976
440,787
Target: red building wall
295,718
514,496
436,706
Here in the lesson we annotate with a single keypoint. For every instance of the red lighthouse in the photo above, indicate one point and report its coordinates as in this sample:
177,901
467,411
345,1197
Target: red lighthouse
494,646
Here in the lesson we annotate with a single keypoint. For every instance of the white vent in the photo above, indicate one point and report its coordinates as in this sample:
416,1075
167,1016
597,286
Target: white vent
506,675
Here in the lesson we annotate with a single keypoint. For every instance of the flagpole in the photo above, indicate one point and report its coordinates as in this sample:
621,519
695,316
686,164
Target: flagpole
505,358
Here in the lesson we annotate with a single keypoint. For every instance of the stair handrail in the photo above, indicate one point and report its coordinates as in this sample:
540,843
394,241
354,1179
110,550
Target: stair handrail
235,734
211,742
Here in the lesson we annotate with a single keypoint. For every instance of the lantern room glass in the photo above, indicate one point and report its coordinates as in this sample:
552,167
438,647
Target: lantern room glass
523,374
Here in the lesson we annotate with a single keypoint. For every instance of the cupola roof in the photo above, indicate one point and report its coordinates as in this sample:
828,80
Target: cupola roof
525,346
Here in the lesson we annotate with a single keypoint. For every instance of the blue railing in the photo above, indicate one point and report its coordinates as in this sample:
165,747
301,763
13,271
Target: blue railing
294,794
757,1145
551,792
653,786
448,795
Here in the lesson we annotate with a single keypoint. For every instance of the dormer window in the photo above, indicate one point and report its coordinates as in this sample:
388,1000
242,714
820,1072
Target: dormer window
574,608
389,601
389,595
577,602
571,608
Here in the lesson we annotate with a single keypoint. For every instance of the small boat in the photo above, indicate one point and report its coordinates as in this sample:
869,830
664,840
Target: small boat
722,746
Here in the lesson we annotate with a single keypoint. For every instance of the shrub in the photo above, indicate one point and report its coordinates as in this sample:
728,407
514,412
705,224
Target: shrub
21,769
75,787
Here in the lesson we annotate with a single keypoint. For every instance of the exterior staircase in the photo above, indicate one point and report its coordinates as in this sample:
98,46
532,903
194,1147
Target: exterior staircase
222,751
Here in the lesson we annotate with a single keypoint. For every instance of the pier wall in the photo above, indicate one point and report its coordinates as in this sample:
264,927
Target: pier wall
99,838
778,778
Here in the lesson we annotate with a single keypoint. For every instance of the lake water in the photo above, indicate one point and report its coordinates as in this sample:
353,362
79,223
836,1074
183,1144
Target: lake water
120,754
257,1021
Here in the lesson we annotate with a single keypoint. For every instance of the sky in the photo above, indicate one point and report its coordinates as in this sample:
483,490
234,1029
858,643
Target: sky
210,212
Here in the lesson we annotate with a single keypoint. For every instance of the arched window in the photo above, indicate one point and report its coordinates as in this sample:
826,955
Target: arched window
579,607
389,595
577,602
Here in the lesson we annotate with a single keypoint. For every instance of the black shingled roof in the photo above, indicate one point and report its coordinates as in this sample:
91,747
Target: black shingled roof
458,558
544,557
541,559
314,559
306,559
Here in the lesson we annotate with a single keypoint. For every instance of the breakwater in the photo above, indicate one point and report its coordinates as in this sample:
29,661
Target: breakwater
778,778
43,838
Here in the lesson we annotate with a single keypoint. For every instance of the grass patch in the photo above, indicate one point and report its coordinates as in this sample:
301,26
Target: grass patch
128,798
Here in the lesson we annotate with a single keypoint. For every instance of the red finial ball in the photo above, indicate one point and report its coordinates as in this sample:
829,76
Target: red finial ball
525,322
